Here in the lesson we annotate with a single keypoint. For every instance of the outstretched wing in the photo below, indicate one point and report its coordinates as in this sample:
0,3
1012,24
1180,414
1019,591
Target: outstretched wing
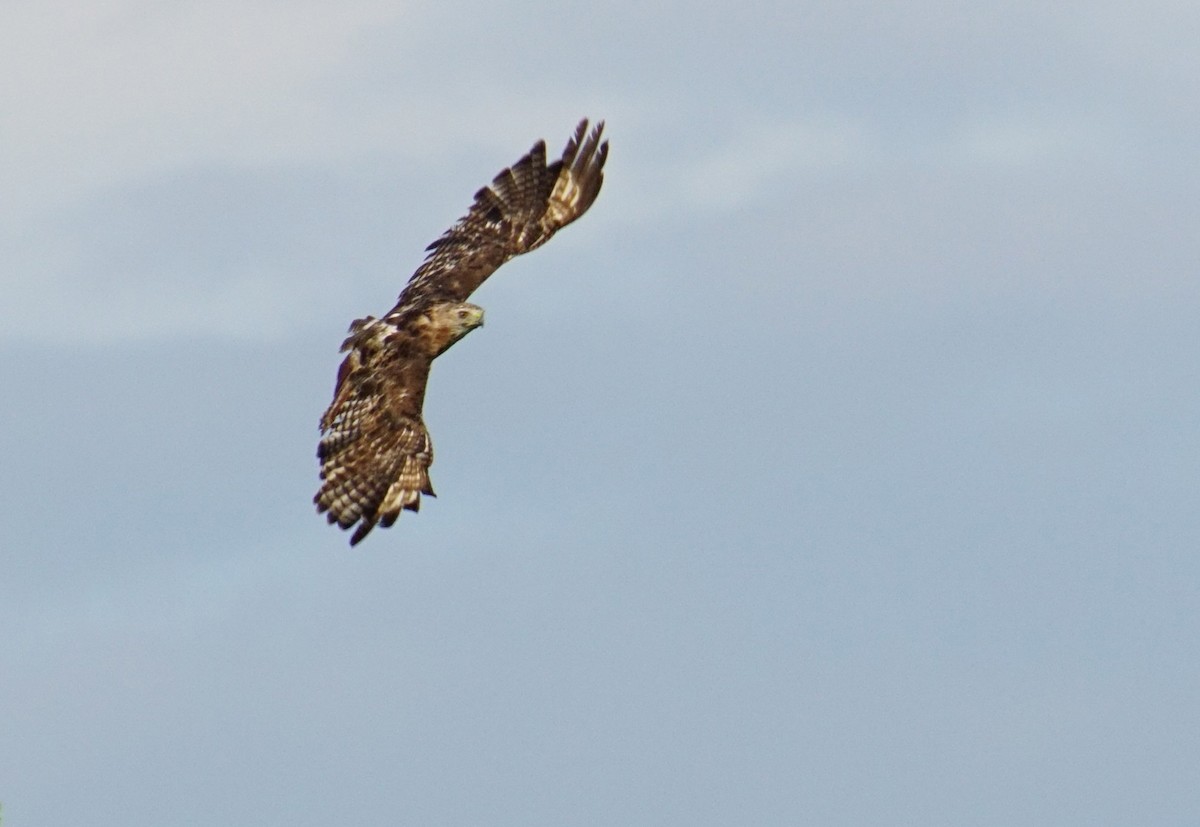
375,451
525,205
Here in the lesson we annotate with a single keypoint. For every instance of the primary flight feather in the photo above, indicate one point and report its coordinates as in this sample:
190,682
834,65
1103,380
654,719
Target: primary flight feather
375,451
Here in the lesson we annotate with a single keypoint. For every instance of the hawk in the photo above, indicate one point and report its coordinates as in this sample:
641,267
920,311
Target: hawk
374,449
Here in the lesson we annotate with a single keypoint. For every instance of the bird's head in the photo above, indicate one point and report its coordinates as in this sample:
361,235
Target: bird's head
462,317
450,321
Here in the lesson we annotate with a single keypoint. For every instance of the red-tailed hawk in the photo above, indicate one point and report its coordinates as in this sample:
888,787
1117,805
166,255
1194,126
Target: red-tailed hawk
375,452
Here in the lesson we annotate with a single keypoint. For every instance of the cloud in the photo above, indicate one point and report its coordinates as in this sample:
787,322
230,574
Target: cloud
760,157
247,305
108,146
144,100
754,164
134,90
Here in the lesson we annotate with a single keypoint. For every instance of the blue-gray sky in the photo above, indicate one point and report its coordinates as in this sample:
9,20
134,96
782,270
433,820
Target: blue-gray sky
838,468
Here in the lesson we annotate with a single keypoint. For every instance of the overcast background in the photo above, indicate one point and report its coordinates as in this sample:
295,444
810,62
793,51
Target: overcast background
839,467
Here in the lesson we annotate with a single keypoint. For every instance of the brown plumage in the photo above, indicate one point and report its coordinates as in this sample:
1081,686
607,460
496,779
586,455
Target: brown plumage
375,451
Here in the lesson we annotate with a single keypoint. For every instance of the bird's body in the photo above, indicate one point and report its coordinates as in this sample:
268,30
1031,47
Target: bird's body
375,451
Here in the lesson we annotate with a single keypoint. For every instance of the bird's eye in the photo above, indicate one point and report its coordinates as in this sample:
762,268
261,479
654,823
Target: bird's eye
462,314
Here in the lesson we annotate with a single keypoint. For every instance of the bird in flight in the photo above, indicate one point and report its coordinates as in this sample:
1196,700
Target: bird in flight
374,449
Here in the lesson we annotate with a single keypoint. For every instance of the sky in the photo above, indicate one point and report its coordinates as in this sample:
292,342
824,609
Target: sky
837,468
